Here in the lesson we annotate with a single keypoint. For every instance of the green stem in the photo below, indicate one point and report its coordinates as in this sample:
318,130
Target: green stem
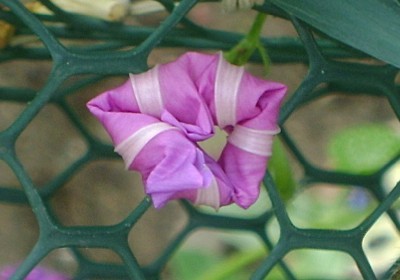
256,27
241,53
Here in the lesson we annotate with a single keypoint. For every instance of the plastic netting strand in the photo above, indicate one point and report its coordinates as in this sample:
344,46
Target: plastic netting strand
122,49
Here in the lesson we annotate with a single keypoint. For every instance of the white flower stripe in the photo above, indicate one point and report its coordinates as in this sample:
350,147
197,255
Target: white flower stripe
131,146
254,141
146,87
227,82
209,195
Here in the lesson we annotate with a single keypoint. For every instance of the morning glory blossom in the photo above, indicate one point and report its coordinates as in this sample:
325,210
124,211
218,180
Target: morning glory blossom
156,119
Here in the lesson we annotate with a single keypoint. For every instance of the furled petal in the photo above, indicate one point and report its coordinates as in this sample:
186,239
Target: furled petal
245,157
156,117
167,160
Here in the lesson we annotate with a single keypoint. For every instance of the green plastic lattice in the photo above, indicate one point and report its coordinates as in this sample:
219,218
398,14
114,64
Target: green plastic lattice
125,49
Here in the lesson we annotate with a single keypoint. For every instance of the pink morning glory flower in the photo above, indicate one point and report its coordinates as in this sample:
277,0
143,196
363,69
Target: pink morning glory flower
38,273
156,119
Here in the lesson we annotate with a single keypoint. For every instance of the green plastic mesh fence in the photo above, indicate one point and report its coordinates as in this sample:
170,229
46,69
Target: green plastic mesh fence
83,50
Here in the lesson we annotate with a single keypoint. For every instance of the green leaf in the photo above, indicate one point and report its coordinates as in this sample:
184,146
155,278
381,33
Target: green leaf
363,149
371,26
281,171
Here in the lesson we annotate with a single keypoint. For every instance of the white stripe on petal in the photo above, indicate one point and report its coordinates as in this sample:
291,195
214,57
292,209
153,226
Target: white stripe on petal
131,146
146,88
209,195
227,82
254,141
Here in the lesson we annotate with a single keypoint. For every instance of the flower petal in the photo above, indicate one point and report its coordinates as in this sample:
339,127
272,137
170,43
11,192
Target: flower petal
156,117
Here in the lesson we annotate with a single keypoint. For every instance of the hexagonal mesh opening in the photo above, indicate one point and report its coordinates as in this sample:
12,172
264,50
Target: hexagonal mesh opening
53,139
